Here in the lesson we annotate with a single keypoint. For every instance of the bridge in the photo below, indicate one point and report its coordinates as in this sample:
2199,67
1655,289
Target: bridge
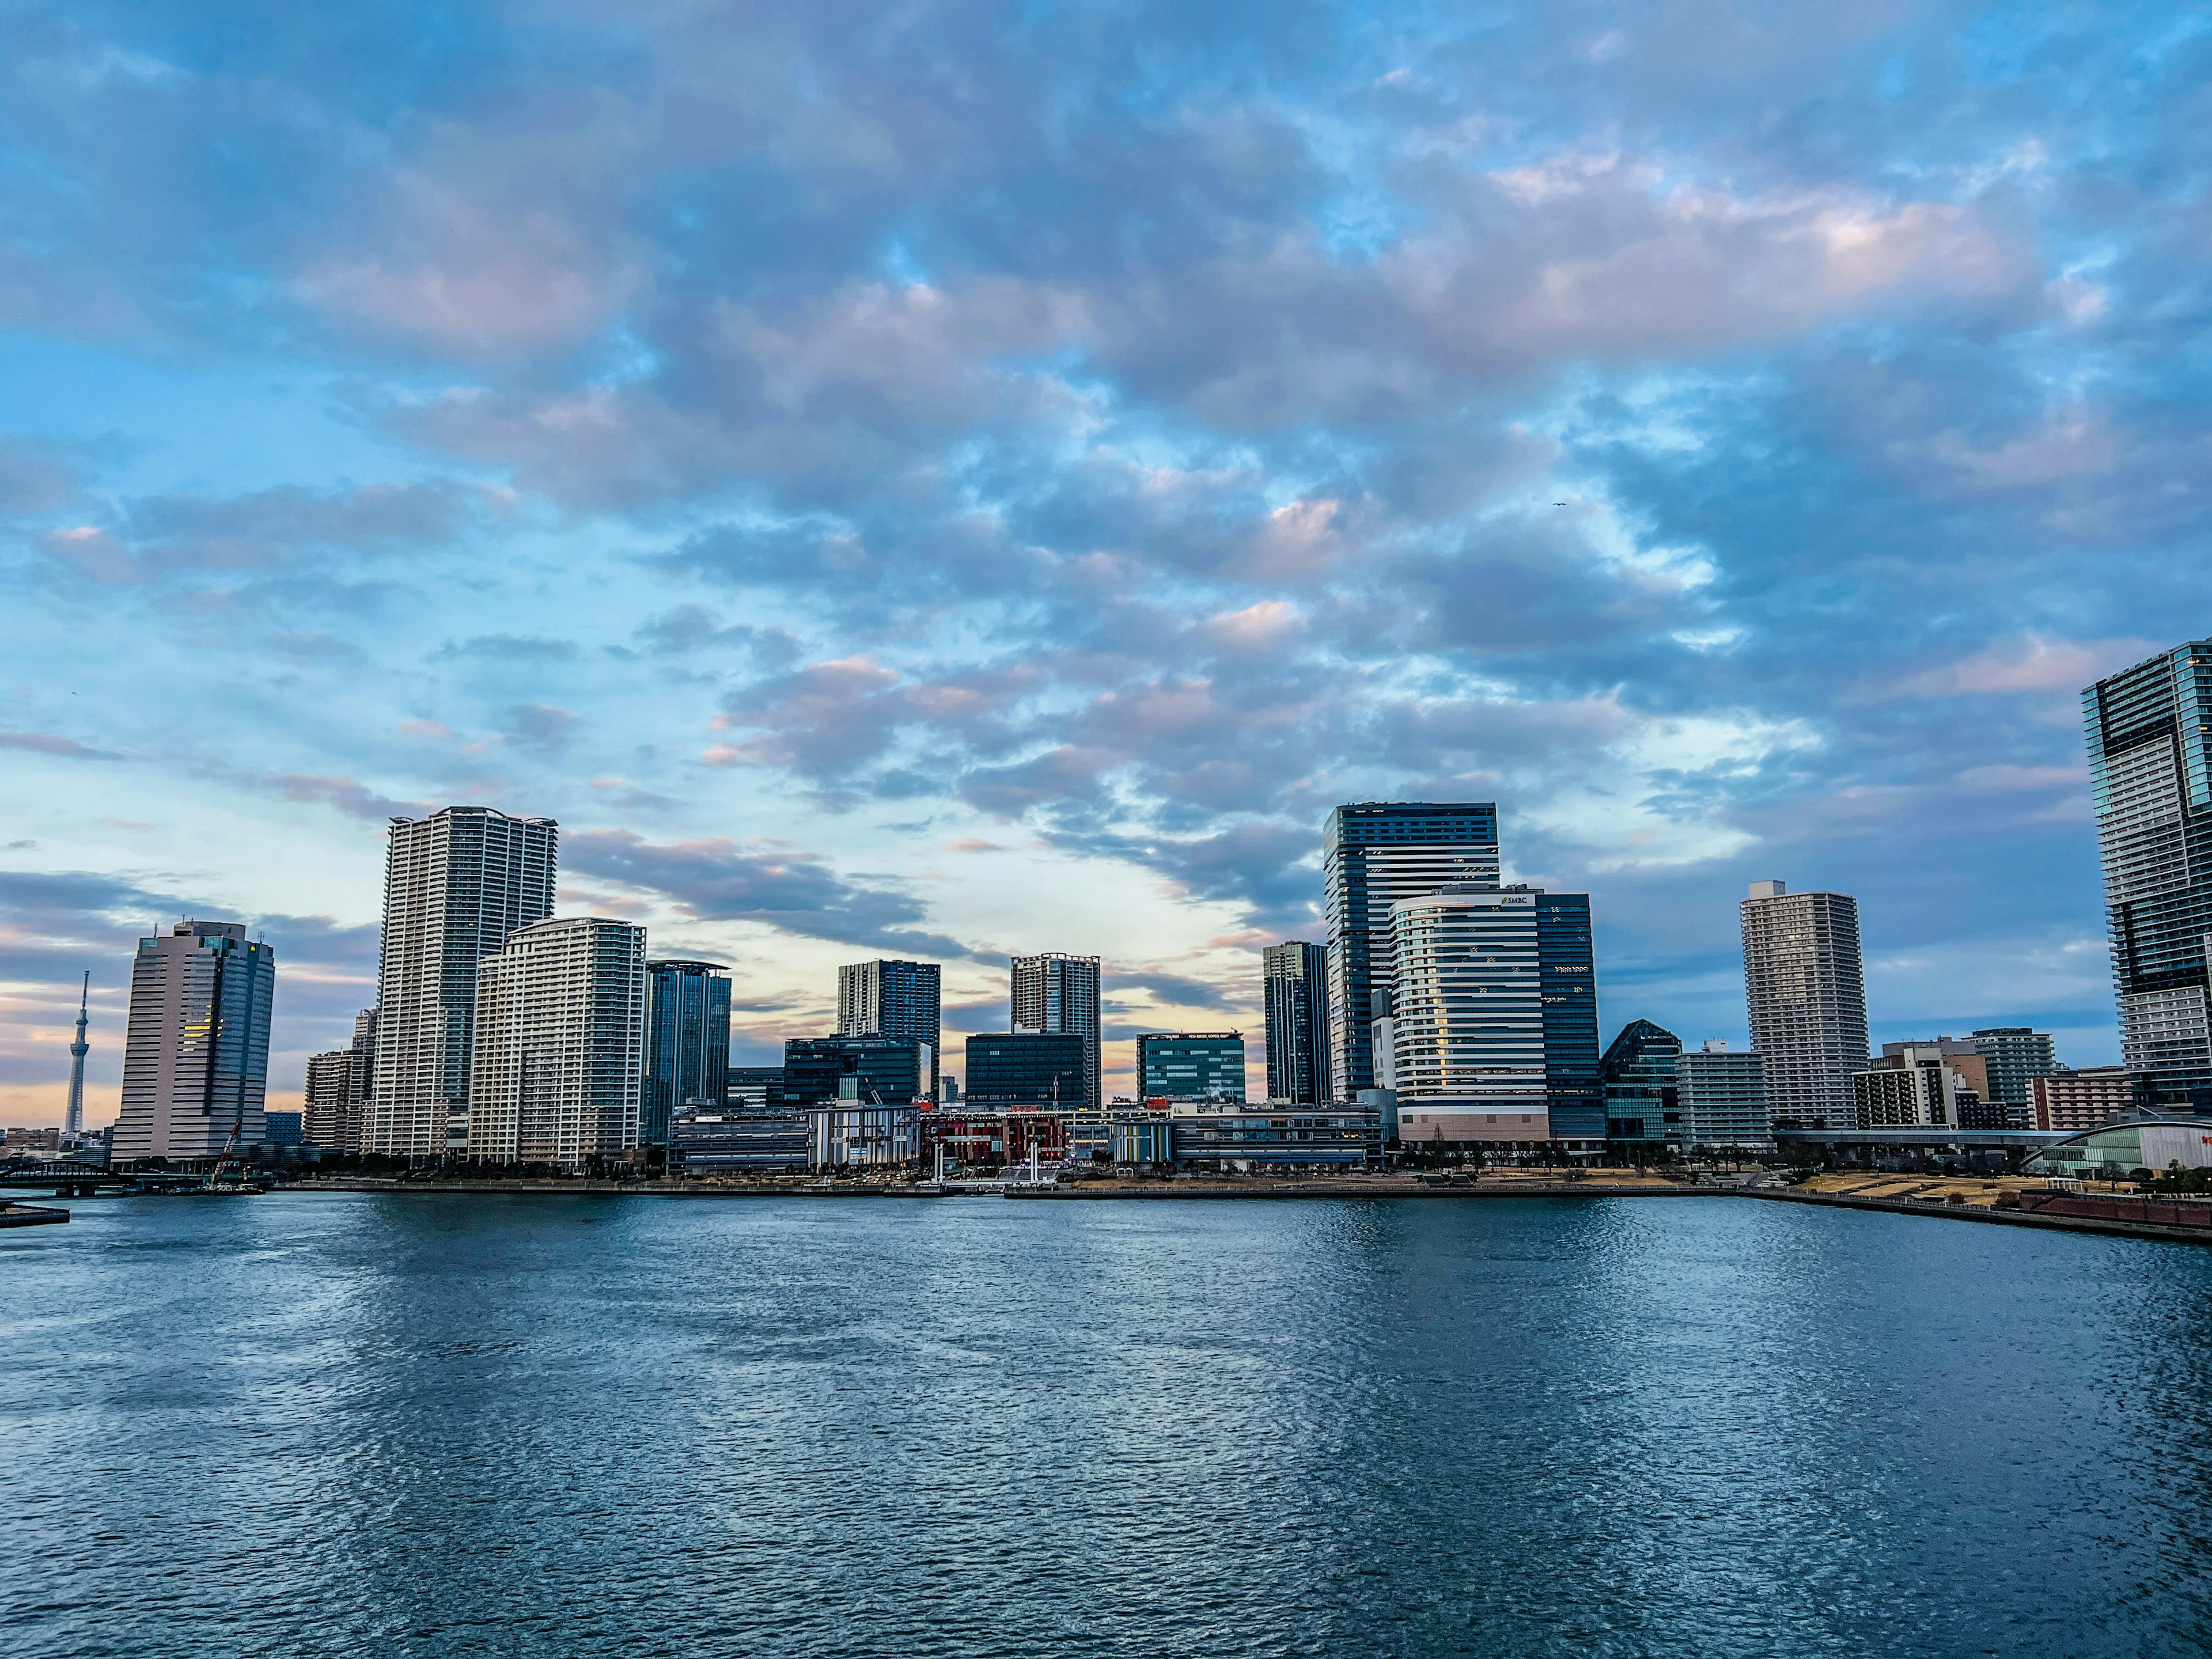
71,1179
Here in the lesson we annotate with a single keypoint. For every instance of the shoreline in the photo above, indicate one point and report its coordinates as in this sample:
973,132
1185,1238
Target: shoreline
2110,1226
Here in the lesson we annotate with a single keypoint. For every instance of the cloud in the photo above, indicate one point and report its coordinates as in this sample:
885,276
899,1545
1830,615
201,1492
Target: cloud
47,742
717,879
511,648
541,726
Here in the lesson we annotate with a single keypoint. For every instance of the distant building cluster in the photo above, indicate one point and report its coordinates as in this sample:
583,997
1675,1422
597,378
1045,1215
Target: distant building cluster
1447,1011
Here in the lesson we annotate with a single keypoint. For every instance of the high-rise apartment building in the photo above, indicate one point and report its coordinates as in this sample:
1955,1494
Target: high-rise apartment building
1190,1064
1059,994
2150,774
687,1046
456,884
195,1056
1294,976
1373,854
327,1109
559,1057
338,1087
1720,1099
896,999
1574,1080
1806,993
2013,1057
1469,1029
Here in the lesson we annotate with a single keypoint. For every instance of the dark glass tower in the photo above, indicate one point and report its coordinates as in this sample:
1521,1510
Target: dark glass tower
2150,772
1573,1079
891,1071
1639,1082
1010,1069
687,1043
1373,854
896,999
1295,976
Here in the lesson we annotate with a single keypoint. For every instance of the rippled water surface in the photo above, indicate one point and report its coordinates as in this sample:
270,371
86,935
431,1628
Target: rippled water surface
429,1425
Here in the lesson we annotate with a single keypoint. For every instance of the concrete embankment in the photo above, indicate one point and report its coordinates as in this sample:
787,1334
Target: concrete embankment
2109,1216
29,1215
1087,1191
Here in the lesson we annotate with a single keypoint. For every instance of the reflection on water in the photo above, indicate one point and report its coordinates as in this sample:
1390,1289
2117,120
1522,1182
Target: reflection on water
432,1426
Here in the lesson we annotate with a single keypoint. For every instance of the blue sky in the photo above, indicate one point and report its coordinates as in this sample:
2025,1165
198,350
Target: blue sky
954,480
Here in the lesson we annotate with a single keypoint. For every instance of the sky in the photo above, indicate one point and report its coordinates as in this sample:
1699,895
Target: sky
953,480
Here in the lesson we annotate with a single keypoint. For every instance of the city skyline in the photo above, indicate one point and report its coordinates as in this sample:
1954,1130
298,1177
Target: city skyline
1007,516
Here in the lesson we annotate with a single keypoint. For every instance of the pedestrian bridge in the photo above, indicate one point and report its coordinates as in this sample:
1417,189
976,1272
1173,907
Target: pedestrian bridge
71,1179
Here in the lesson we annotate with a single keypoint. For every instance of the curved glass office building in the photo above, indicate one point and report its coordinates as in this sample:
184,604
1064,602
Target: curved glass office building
2111,1150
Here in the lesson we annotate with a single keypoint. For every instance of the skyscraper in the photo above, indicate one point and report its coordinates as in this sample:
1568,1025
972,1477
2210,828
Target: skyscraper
559,1057
456,884
327,1104
1294,977
1806,994
338,1089
1191,1064
1469,1019
893,999
2150,772
1374,854
196,1058
1574,1082
687,1050
1059,993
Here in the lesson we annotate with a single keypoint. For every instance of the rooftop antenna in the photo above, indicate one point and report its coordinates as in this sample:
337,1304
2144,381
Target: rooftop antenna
78,1051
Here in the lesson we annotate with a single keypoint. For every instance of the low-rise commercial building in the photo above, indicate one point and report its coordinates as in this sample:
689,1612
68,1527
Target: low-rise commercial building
2073,1102
1191,1064
1250,1138
2112,1151
847,1135
722,1140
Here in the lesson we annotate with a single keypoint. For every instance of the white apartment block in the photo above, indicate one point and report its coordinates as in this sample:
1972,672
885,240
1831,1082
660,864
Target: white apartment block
559,1057
456,884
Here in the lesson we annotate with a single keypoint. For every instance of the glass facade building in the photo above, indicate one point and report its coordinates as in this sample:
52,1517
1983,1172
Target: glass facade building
1026,1068
196,1054
756,1088
1059,994
1574,1079
895,1000
887,1070
1295,978
687,1046
1468,1031
1373,854
2149,731
1191,1064
1640,1065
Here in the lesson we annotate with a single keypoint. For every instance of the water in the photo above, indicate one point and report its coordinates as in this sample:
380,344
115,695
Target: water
432,1426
